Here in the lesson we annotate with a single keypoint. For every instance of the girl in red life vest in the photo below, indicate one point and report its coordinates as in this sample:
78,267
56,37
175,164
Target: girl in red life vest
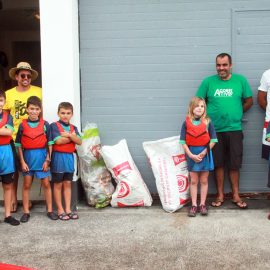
198,137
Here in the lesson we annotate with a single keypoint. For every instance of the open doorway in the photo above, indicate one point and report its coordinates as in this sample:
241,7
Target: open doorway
19,37
19,41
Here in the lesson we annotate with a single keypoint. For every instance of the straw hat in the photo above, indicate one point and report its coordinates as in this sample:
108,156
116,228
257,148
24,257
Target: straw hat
22,66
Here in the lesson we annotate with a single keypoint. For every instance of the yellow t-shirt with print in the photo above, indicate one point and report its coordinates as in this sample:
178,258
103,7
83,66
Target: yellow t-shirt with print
16,104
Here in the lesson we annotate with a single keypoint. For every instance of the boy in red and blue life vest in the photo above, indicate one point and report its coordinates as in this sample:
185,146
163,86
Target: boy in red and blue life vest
7,165
32,142
64,136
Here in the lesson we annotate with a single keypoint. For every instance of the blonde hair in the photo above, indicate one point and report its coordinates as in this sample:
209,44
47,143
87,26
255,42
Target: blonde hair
192,105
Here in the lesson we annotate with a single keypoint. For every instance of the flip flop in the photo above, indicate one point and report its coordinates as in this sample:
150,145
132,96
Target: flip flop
52,216
217,203
240,204
64,217
73,215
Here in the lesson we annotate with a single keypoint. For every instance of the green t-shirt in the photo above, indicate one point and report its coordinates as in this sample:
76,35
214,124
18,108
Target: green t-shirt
224,100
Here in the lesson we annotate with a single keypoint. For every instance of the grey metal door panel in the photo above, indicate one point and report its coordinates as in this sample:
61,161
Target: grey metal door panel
142,61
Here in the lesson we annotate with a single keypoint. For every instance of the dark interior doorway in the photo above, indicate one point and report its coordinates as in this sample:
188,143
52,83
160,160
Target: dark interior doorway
19,38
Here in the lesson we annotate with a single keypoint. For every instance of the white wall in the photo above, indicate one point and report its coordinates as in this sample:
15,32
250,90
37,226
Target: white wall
60,56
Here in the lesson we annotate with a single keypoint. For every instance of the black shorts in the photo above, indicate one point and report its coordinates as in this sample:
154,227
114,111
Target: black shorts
265,151
229,150
7,178
60,177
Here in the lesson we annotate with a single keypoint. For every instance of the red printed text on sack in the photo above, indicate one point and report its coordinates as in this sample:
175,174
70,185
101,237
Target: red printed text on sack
121,167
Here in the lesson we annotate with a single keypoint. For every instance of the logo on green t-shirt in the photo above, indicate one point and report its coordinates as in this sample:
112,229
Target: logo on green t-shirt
223,92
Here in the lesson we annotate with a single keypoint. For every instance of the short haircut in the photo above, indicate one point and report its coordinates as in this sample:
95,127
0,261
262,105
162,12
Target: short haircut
222,55
34,100
2,94
66,106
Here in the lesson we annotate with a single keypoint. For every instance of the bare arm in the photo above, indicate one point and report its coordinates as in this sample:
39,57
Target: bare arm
75,138
262,99
71,137
5,131
196,158
62,140
23,163
248,102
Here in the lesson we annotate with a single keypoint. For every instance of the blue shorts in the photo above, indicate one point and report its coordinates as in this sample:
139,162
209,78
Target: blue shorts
37,174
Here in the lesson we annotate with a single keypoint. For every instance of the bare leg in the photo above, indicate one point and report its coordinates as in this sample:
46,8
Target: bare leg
204,186
194,179
14,188
219,176
234,177
47,193
57,190
7,198
27,182
67,195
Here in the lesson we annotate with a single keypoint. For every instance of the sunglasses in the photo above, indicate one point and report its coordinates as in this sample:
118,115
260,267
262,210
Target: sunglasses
29,76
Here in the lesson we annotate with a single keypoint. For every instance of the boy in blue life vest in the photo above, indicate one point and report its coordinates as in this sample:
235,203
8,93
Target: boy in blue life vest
7,165
32,142
64,136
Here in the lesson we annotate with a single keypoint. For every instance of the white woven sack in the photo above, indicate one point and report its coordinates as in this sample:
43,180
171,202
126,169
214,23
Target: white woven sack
169,167
131,190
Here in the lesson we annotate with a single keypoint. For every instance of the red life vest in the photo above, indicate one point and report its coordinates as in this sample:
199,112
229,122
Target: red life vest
64,148
196,135
33,138
4,139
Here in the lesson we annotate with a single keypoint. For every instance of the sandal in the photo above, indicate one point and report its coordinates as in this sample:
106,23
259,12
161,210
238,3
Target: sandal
12,221
73,215
217,203
25,218
240,204
63,217
52,216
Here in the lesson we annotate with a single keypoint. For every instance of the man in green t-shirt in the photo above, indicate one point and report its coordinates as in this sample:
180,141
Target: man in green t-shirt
228,96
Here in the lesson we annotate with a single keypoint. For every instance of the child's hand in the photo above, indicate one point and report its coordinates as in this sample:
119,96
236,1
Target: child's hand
24,167
203,154
65,134
45,166
196,158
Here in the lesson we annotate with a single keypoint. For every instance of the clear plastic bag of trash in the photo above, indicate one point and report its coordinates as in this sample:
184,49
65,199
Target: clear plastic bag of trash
96,179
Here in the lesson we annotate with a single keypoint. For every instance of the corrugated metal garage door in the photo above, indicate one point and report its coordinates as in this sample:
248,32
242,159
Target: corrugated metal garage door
141,62
251,52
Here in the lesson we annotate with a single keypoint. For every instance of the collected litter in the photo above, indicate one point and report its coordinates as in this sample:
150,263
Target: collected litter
131,189
168,162
96,179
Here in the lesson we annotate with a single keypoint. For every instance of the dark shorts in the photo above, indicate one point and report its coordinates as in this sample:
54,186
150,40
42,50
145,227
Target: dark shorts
229,150
7,178
60,177
265,151
268,184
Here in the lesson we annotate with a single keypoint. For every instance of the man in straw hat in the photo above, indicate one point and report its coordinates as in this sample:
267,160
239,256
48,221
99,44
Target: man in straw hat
16,99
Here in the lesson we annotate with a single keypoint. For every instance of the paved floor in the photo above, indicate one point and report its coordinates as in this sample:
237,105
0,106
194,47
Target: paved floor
142,238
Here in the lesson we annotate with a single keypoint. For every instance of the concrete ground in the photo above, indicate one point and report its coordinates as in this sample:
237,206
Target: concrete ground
141,238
